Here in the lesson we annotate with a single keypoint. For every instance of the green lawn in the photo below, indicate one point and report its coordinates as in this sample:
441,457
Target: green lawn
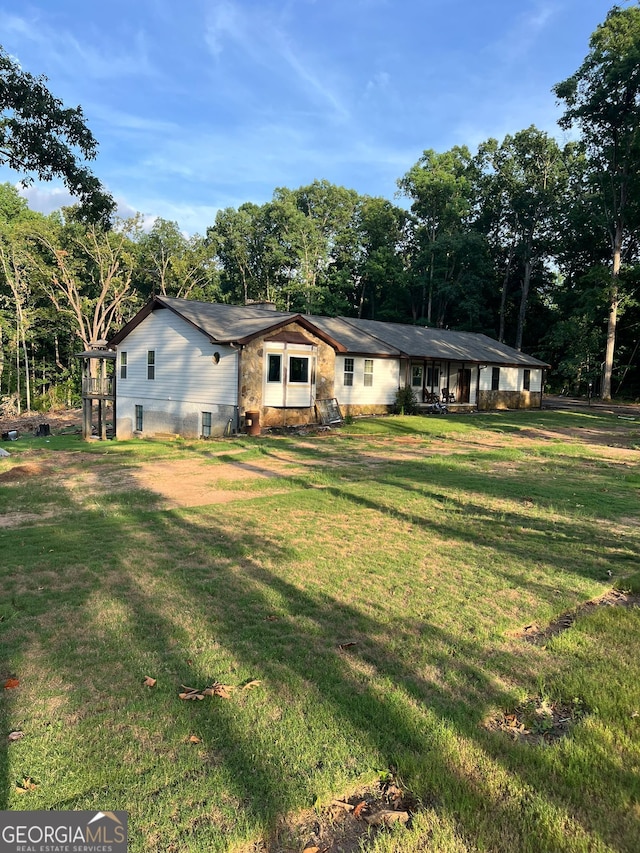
429,543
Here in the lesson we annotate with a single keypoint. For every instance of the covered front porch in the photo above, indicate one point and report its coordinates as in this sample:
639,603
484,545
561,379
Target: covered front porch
443,383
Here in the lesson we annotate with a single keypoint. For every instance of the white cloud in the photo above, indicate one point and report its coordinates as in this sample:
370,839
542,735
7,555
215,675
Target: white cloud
45,198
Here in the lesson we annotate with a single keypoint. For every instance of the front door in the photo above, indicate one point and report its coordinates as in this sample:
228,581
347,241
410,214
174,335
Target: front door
464,384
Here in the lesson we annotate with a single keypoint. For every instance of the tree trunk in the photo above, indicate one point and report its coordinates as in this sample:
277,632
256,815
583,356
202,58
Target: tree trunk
613,315
526,281
503,298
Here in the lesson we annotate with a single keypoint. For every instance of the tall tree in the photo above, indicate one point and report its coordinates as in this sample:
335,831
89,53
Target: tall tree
523,182
441,187
603,99
87,273
39,135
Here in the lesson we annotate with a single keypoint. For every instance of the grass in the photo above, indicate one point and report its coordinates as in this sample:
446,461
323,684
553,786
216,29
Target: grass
427,542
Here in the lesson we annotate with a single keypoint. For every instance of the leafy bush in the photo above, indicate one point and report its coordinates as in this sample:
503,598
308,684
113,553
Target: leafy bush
405,402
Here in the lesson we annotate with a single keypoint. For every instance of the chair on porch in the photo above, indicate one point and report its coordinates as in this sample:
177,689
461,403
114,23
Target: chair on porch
447,397
430,396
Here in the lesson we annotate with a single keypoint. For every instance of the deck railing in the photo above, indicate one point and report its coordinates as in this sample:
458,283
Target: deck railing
97,386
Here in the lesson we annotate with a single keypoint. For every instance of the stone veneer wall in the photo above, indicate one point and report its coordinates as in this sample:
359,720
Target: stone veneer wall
252,381
491,400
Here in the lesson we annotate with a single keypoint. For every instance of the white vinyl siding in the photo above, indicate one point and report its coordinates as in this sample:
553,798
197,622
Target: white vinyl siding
511,378
384,373
189,382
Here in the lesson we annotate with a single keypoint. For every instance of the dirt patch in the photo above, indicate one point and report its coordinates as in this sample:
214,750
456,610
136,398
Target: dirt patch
613,598
190,483
345,824
65,420
537,720
23,472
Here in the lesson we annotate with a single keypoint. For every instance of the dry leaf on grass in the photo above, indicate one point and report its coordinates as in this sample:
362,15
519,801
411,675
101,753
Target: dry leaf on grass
11,683
222,690
251,684
357,812
14,736
149,682
26,785
313,849
386,817
347,645
194,739
190,693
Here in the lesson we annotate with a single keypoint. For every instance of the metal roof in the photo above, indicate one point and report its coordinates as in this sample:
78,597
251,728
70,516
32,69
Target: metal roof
238,324
443,344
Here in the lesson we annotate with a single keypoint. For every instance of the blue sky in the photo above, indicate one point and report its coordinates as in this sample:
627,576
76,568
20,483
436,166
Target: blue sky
204,104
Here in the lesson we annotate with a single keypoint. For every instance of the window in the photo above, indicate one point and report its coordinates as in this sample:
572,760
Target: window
139,418
123,365
526,379
151,364
417,373
206,424
368,372
495,378
274,368
433,377
298,369
348,371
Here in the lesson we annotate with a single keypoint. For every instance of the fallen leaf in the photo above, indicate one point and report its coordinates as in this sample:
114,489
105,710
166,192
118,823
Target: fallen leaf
149,682
10,683
251,684
386,817
311,850
194,739
190,693
221,690
26,785
357,812
348,644
14,736
346,806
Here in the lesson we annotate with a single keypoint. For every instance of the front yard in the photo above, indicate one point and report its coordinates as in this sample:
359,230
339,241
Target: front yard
368,608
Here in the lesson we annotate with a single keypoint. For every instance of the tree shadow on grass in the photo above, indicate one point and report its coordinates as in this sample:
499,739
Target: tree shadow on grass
188,598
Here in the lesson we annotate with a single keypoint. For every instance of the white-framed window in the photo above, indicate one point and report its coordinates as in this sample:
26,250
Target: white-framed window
417,375
206,424
348,372
123,365
368,372
274,367
151,364
139,418
299,368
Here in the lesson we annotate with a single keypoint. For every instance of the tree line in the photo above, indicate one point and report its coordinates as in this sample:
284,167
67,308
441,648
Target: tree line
530,241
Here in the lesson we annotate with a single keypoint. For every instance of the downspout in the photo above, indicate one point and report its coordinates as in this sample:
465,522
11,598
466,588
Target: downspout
239,378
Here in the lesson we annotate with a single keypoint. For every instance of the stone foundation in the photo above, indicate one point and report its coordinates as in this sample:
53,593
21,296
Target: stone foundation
495,400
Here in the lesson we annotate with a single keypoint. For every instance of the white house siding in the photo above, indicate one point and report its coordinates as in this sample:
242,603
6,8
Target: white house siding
511,378
382,391
187,382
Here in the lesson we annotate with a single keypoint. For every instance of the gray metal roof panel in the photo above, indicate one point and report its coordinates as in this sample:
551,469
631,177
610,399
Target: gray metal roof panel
442,344
222,322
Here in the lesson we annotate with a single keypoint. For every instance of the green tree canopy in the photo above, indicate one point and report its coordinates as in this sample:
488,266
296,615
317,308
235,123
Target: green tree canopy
40,136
